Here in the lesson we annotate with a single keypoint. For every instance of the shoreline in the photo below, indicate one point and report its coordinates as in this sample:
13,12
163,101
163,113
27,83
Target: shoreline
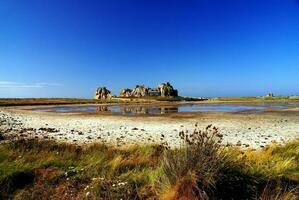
160,103
248,130
17,102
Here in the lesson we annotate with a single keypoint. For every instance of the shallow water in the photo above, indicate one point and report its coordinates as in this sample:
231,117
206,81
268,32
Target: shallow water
161,109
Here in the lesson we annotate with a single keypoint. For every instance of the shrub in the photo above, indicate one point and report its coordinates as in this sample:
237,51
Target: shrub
1,137
192,171
14,181
200,169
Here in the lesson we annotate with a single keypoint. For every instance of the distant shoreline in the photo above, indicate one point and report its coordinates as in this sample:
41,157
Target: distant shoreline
69,101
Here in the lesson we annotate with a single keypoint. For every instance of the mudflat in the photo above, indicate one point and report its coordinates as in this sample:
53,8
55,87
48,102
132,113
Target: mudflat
253,130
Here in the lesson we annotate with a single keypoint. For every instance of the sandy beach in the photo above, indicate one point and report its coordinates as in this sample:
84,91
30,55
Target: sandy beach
243,129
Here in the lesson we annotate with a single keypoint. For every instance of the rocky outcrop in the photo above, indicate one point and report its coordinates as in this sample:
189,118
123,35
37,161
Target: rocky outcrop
103,93
153,92
139,91
125,92
270,94
166,90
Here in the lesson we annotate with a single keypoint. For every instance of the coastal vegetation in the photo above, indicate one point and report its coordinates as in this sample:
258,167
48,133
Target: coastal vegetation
200,169
44,101
61,101
257,98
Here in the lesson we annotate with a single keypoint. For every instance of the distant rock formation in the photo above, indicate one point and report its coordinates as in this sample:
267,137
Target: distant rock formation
167,90
103,93
164,90
154,92
139,91
125,92
270,94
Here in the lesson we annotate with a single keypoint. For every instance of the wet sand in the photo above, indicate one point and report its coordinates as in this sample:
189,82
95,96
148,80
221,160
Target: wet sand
253,130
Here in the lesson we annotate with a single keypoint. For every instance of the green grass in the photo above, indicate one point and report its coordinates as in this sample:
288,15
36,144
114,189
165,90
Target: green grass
97,165
43,101
60,101
33,169
159,98
257,99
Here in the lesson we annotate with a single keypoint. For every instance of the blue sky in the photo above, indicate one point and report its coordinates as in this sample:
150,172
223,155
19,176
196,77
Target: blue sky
66,48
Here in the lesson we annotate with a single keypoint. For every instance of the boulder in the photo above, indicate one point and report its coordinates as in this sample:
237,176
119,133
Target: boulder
154,92
270,94
103,93
125,92
166,90
139,91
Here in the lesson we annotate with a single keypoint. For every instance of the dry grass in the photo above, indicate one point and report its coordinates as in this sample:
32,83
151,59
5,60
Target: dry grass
274,160
270,193
62,101
44,101
192,171
200,169
257,98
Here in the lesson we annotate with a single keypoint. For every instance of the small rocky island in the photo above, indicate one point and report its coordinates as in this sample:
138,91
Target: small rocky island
103,93
163,90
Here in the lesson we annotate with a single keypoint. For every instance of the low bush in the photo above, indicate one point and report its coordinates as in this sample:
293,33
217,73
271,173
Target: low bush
192,171
203,169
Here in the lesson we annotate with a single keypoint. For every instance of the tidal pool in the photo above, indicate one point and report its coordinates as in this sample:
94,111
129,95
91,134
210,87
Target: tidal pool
134,109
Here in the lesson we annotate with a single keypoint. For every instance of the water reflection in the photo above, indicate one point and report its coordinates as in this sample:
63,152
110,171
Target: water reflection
162,109
130,110
102,108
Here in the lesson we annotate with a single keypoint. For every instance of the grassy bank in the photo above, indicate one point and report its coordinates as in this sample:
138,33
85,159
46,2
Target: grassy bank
154,99
201,169
257,99
61,101
44,101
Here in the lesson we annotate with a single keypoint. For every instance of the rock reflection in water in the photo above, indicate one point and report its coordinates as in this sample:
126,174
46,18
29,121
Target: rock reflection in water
147,110
102,109
129,110
132,109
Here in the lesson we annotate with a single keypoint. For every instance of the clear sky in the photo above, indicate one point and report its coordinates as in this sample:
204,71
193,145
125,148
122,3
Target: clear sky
66,48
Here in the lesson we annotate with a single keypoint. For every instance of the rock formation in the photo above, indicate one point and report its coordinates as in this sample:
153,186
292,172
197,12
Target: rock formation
270,94
139,91
153,92
103,93
166,90
125,92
